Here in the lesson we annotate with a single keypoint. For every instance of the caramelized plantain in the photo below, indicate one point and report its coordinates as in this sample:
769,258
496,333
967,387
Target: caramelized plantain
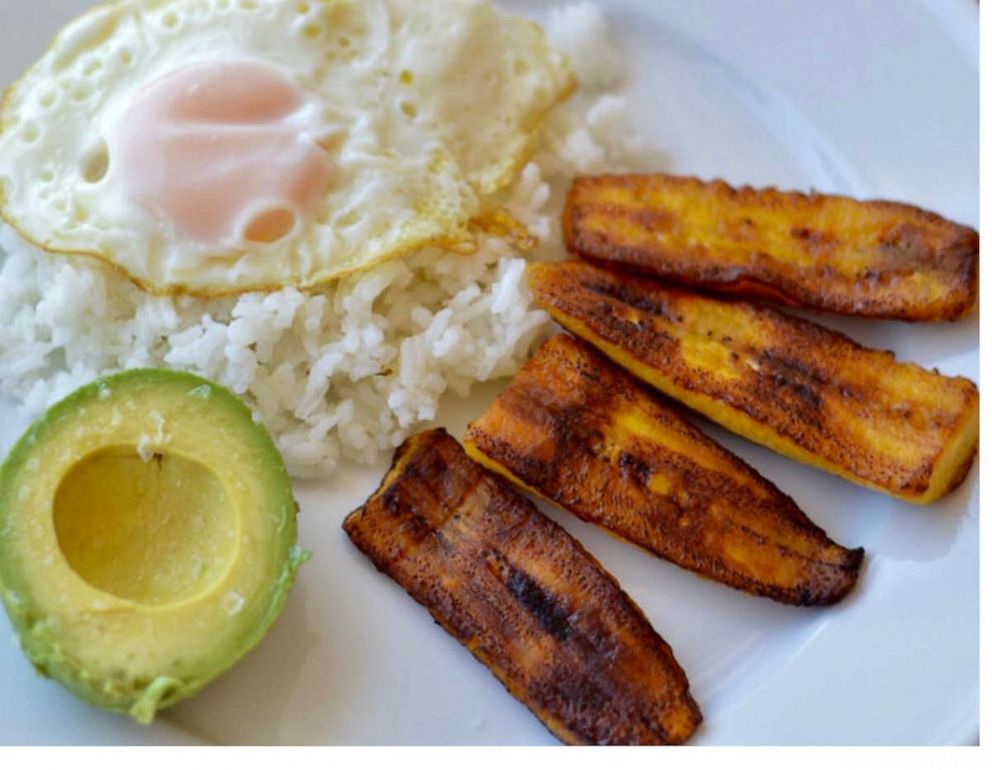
800,389
525,598
578,430
868,258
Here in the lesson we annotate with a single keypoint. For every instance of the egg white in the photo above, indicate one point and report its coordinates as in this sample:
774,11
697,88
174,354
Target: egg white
427,109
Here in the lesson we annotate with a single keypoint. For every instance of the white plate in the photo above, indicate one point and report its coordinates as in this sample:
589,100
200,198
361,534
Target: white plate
871,99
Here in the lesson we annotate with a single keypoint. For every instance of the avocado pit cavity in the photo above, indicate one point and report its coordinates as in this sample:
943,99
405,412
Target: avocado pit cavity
154,532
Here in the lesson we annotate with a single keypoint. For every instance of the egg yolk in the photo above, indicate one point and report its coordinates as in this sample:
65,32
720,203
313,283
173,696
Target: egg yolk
222,152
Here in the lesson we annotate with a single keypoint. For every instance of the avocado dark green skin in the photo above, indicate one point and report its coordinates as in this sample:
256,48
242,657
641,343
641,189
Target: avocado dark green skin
41,641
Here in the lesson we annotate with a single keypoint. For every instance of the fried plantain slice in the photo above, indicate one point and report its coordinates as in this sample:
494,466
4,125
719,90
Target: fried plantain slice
525,598
578,430
798,388
866,258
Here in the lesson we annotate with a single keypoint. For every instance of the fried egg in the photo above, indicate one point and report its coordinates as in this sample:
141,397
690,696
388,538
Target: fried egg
220,146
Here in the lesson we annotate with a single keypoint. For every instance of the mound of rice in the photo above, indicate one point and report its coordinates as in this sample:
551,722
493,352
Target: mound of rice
347,372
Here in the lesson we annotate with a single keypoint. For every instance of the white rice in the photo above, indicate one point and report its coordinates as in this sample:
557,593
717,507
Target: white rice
579,31
343,373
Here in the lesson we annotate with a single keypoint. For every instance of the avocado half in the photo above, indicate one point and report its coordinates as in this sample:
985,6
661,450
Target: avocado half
147,538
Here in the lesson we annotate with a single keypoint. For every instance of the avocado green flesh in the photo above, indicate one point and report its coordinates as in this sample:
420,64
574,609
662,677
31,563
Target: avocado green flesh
147,538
